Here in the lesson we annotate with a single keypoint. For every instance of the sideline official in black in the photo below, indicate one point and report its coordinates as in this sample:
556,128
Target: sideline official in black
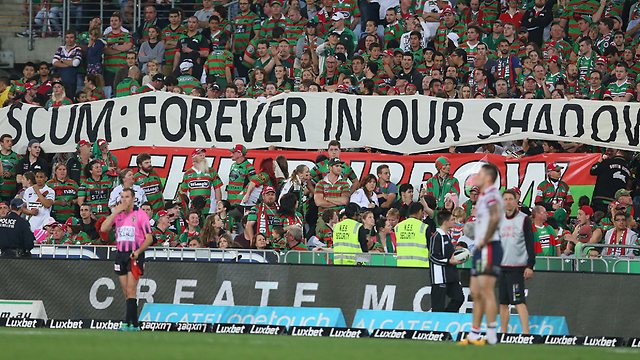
445,280
16,238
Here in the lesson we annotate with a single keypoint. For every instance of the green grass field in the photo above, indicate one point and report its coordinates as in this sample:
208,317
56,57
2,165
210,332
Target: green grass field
95,345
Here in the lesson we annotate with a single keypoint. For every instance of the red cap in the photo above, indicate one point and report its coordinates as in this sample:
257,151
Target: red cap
162,213
268,189
342,88
102,142
395,88
554,59
601,59
72,221
553,167
57,224
198,151
4,203
448,9
411,85
587,210
239,148
83,143
387,53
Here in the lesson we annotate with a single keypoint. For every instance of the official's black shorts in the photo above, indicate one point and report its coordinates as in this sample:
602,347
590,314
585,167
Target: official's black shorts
487,261
122,265
511,286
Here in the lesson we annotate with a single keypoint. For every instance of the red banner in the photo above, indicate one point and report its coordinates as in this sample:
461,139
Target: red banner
525,173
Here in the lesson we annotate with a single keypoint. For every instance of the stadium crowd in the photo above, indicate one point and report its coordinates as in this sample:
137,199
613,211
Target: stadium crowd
532,50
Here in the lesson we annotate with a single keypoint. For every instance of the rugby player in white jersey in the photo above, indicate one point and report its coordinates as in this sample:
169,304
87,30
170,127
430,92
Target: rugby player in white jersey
487,256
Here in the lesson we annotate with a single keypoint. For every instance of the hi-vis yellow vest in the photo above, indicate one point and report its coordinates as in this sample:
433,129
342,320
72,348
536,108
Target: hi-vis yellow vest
411,243
345,242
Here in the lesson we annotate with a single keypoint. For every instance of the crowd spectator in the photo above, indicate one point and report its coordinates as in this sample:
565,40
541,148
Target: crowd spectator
538,49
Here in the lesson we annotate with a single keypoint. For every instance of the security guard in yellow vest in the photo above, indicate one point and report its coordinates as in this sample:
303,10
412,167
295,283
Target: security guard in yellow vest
349,238
411,239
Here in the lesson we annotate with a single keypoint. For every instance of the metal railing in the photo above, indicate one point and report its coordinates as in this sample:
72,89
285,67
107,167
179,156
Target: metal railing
104,252
618,265
52,19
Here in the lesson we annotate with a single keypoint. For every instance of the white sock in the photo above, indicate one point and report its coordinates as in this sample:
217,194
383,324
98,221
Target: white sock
474,334
492,336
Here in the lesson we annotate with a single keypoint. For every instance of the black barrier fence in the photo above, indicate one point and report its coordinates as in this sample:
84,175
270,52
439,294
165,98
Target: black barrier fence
593,304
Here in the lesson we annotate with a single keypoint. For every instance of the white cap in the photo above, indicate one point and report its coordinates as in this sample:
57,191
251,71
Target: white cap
186,65
454,38
338,16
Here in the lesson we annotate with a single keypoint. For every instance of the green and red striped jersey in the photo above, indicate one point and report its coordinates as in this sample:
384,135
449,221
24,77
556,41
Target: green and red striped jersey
244,26
562,46
605,225
613,8
545,241
443,31
266,217
294,30
348,7
596,94
324,233
113,63
322,169
438,188
195,183
96,194
392,32
251,51
160,237
217,62
126,87
490,11
97,94
331,191
325,79
51,104
65,190
575,7
585,66
239,177
152,186
546,192
188,83
267,26
615,90
172,35
285,221
229,224
8,186
255,90
80,238
262,179
17,86
185,237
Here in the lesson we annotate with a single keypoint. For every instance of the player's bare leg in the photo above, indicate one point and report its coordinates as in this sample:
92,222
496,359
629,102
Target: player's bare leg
523,312
504,319
487,284
478,311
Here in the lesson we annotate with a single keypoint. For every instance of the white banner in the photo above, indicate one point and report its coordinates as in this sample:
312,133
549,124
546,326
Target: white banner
405,124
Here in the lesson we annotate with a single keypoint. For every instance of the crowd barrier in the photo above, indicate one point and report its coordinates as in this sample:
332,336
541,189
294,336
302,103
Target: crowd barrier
592,303
543,263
